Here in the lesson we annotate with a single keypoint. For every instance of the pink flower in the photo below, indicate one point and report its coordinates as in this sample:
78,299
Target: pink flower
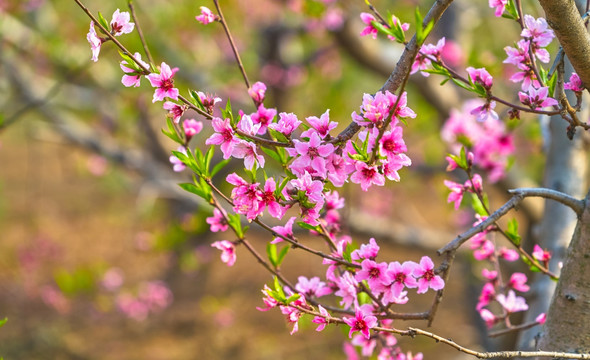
175,111
257,92
374,273
392,143
269,199
367,345
485,111
248,151
518,282
131,77
367,251
312,287
369,29
209,101
191,128
269,301
286,231
512,303
322,321
178,164
575,84
164,83
218,221
287,123
206,16
224,136
400,275
120,23
541,318
536,98
366,175
491,275
508,254
264,117
95,42
322,125
427,51
487,294
361,323
500,5
480,76
424,273
540,254
537,30
228,251
312,154
456,194
347,289
489,318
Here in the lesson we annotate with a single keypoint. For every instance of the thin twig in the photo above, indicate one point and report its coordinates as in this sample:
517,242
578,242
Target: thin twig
140,33
576,205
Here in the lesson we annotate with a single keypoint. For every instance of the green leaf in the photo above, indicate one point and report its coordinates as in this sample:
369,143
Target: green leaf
171,132
477,205
381,28
228,114
552,82
278,135
463,85
531,265
3,321
282,255
364,298
273,154
309,227
292,298
208,157
197,190
419,30
511,12
220,165
236,224
271,252
279,288
103,22
197,99
512,232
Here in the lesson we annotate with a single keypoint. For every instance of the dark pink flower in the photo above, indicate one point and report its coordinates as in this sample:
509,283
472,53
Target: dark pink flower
361,322
424,273
541,318
369,29
518,282
322,125
500,5
366,175
540,254
575,84
286,231
400,275
206,16
488,292
164,83
264,117
175,111
228,251
374,273
312,154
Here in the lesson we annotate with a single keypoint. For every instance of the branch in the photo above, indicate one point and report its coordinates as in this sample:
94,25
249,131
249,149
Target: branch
402,68
576,205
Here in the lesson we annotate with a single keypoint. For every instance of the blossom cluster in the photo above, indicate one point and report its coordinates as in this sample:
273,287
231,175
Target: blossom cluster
489,141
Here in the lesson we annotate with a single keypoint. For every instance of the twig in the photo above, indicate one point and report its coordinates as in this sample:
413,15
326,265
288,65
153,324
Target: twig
576,205
513,329
233,45
140,33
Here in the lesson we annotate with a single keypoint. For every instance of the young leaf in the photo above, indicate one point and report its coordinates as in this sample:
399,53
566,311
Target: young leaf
103,22
271,252
3,321
220,165
309,227
195,189
477,205
208,157
512,232
292,298
282,255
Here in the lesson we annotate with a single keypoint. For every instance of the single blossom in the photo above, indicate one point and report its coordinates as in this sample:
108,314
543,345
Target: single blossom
206,16
218,221
367,251
518,282
369,29
228,251
164,83
287,123
191,127
512,303
224,136
367,345
257,92
575,84
366,176
540,254
480,76
322,321
500,5
424,273
120,23
361,322
209,101
132,77
374,273
489,318
286,231
536,98
175,111
95,42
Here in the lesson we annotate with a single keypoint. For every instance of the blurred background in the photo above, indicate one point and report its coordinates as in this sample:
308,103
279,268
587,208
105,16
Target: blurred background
102,256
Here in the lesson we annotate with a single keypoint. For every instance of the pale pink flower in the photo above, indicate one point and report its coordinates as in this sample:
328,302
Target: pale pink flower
264,117
489,318
537,30
427,51
512,303
508,254
224,136
112,279
367,251
178,165
367,345
120,23
480,76
95,42
322,125
218,221
537,98
209,101
164,83
312,287
322,321
206,16
131,77
228,251
287,123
